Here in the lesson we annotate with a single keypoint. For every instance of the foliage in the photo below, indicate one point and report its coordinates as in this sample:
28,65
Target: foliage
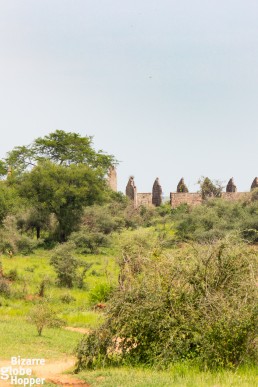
4,287
209,188
56,175
11,241
214,219
88,241
61,148
43,316
9,200
63,192
69,269
67,298
196,304
100,293
105,218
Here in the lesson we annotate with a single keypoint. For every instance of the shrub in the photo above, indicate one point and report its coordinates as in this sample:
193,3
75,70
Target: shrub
88,242
12,275
42,286
67,298
100,293
196,304
69,269
27,245
42,316
216,218
11,241
4,287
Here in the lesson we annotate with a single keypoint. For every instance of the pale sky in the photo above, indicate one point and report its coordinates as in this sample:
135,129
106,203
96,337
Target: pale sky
169,87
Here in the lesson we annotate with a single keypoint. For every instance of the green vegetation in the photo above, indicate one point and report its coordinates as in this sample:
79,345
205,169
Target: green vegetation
166,295
197,304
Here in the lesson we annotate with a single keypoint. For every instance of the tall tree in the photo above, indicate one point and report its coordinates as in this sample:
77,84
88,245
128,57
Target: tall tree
62,148
60,174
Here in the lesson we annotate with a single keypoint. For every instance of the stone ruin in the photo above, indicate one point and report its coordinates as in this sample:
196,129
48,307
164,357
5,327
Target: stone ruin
156,193
254,183
181,196
112,178
181,186
131,190
231,187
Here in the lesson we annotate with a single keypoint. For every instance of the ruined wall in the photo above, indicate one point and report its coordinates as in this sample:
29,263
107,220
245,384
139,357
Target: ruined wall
177,198
194,199
182,196
144,199
233,196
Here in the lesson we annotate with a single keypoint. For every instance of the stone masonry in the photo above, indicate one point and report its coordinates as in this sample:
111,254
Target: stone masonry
112,178
156,193
231,187
182,196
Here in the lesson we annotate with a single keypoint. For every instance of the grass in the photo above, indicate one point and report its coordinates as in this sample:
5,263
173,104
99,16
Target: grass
33,269
19,338
178,376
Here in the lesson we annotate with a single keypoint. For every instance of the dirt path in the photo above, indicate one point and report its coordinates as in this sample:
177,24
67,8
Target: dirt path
52,371
79,330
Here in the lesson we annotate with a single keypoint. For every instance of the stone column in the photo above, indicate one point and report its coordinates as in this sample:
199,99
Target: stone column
181,186
112,178
254,183
231,187
156,193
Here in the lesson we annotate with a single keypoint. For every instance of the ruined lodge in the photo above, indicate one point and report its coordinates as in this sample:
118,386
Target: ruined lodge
181,196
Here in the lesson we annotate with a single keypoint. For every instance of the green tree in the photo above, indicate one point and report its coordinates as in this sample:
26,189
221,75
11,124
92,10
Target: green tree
63,191
59,174
69,269
62,148
9,200
209,188
42,316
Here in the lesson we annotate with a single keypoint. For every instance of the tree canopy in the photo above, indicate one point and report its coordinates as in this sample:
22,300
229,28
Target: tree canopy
61,148
59,174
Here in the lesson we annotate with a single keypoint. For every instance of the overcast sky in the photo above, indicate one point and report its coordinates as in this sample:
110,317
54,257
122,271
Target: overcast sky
169,87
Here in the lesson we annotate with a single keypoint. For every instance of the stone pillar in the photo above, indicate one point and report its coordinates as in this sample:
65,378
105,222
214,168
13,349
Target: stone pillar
254,183
156,193
131,191
181,186
112,178
231,187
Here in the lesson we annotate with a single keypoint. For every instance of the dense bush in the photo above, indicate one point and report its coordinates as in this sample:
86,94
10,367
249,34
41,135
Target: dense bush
5,289
12,241
88,241
214,219
100,293
69,268
197,304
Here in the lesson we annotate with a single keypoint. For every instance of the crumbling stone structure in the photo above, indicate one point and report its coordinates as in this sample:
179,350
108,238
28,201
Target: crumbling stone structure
181,196
181,186
131,190
231,187
156,193
254,183
112,178
144,199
